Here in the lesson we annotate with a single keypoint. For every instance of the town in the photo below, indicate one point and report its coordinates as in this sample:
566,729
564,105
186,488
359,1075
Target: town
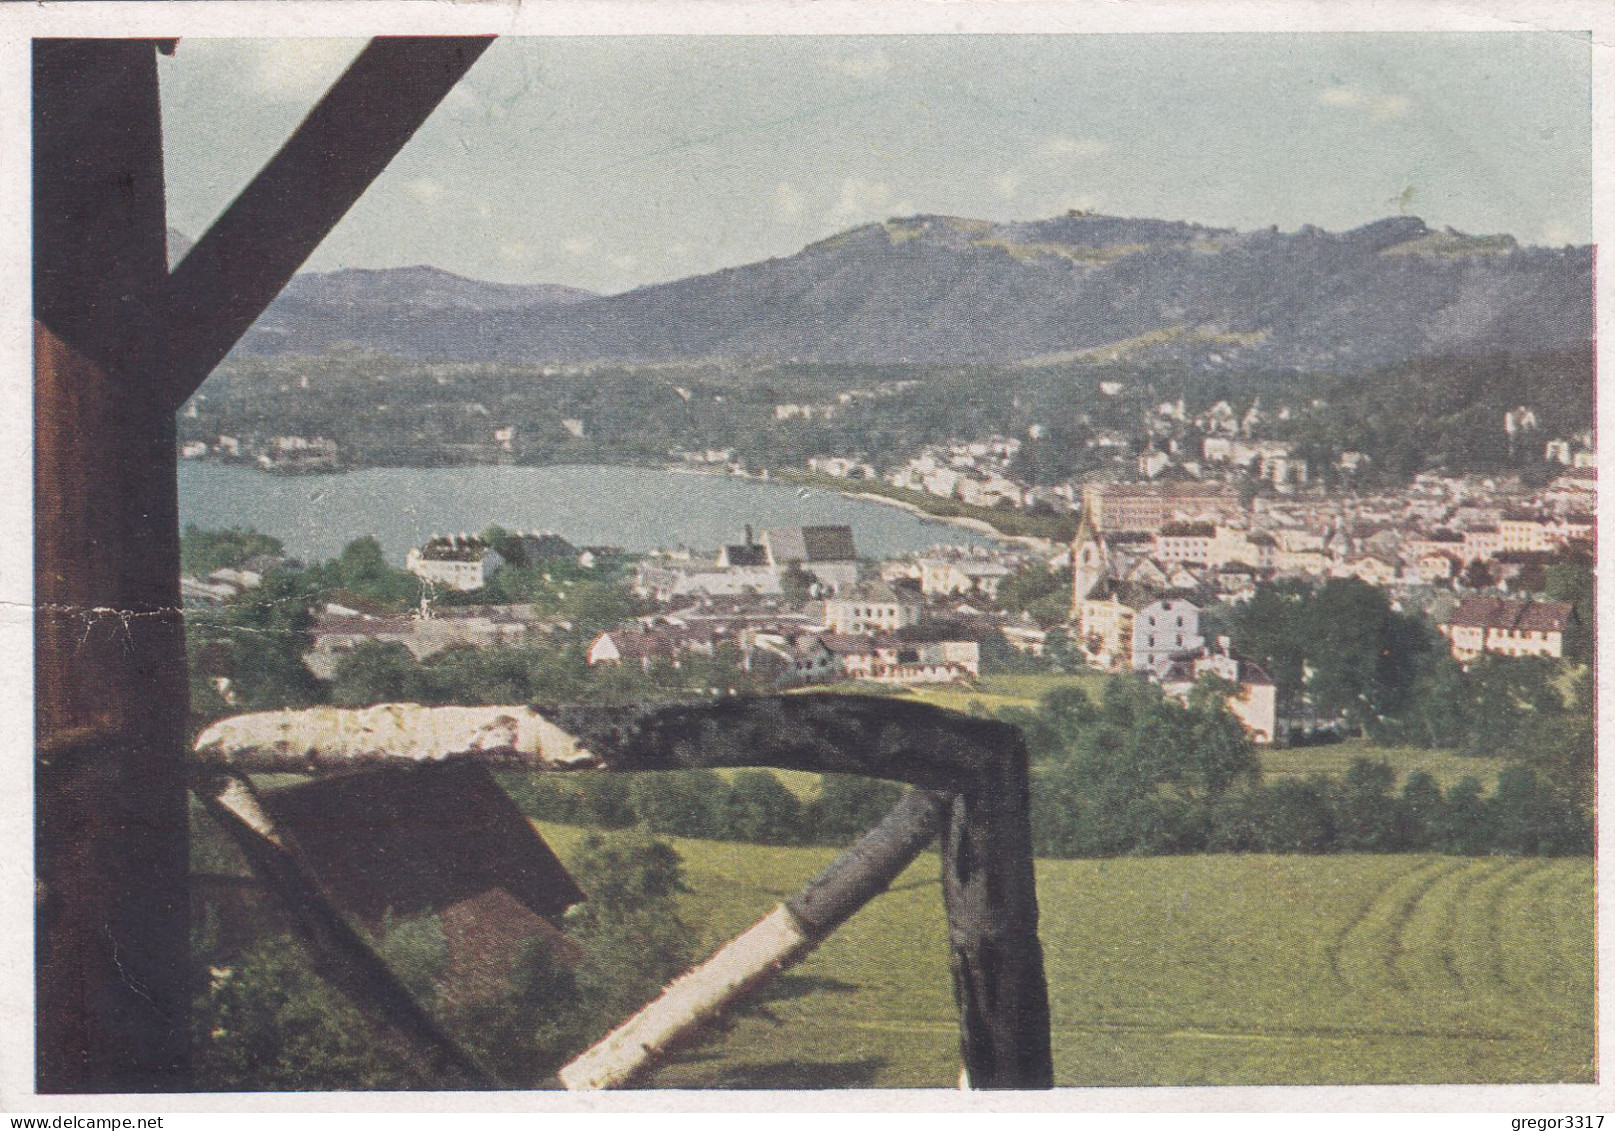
1148,584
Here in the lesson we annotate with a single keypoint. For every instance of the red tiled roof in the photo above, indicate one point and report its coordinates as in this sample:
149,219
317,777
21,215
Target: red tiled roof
1188,530
1503,613
1545,616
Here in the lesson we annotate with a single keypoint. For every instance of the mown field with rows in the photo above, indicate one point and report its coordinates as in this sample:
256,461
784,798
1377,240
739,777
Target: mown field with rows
1182,970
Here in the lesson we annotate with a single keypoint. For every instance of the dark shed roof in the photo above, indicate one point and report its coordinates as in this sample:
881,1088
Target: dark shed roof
421,838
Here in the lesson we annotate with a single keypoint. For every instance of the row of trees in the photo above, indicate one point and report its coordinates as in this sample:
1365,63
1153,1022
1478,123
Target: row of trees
747,805
1141,774
1341,650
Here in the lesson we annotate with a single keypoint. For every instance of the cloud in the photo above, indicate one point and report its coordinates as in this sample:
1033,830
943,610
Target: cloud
296,70
1062,147
1556,235
425,190
869,64
862,199
578,245
1356,98
788,202
1008,184
515,252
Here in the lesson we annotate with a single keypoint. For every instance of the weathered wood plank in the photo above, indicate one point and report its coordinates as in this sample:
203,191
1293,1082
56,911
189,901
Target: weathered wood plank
778,941
990,890
915,743
112,922
334,740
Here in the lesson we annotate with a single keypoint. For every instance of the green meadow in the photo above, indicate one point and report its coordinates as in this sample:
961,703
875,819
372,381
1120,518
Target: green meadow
1181,971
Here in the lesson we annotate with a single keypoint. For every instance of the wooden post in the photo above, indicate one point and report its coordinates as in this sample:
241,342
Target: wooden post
118,346
338,951
990,891
779,940
112,924
241,263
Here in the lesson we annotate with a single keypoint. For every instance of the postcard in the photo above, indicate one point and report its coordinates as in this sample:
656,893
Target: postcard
895,556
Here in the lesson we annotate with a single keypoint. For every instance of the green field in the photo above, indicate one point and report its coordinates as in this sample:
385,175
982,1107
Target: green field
1183,970
1443,765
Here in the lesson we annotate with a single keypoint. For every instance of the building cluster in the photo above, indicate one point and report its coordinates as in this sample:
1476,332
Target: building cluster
973,472
345,623
286,455
1219,446
795,605
1149,558
466,562
822,558
1503,626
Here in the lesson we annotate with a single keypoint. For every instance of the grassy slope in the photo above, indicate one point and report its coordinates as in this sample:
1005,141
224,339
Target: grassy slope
1443,765
1195,970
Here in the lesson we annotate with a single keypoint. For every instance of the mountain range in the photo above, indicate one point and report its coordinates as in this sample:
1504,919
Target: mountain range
948,289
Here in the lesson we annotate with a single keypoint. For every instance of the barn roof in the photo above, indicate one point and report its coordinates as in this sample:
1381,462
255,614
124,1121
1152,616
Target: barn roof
811,544
420,839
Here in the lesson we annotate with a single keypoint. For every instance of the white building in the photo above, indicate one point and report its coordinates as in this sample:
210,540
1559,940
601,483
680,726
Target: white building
1168,627
455,561
871,607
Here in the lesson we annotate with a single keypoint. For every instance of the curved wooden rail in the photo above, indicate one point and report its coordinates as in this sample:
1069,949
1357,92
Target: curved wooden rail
978,764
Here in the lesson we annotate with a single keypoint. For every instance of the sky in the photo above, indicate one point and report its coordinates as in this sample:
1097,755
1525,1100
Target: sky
615,162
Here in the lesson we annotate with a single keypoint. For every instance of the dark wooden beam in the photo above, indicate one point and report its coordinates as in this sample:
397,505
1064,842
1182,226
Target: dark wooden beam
112,921
252,251
335,948
990,891
119,344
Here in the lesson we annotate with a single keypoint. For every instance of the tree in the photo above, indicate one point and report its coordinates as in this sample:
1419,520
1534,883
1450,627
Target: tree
633,942
760,809
374,673
680,803
1270,629
1342,647
1477,575
1364,656
1526,818
796,583
1043,593
362,569
629,925
264,1021
1465,827
1572,582
848,805
1366,814
1421,810
1223,753
266,630
203,551
1299,817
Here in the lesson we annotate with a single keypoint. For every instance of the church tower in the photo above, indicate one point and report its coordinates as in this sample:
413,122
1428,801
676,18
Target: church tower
1090,562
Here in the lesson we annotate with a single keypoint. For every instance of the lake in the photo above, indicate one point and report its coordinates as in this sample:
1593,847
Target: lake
633,507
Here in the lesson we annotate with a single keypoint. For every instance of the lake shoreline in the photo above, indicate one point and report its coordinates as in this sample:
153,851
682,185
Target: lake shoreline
635,507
